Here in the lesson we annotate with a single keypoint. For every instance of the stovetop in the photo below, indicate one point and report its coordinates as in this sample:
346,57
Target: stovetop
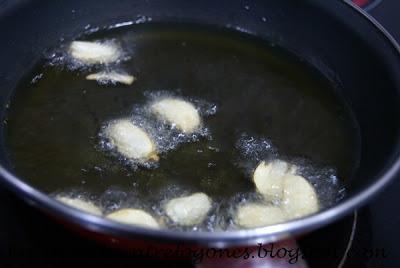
369,237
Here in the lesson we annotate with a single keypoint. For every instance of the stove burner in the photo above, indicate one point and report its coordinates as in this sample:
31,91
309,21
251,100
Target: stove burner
367,4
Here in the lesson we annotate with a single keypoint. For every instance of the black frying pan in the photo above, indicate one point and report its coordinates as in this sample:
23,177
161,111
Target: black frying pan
341,41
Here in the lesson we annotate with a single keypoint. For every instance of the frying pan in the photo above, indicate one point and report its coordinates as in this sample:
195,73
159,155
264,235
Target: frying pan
340,40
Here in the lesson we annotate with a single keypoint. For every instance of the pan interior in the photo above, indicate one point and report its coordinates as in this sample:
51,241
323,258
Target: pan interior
261,95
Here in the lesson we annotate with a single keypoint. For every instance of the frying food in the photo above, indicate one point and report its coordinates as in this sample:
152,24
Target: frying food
268,178
189,210
134,217
254,215
299,197
80,204
131,141
277,182
94,52
113,77
179,113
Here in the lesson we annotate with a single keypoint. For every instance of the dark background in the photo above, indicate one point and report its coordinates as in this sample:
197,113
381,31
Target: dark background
383,220
28,238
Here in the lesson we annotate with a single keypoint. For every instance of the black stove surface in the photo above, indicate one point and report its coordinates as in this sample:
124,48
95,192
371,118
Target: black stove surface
369,237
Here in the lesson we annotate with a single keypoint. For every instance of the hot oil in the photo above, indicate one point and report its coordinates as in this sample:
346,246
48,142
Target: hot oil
257,103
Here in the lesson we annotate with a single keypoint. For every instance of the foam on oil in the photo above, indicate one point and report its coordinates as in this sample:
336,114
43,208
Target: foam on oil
165,136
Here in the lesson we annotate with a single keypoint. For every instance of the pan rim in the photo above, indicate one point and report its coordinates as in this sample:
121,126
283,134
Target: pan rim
266,234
